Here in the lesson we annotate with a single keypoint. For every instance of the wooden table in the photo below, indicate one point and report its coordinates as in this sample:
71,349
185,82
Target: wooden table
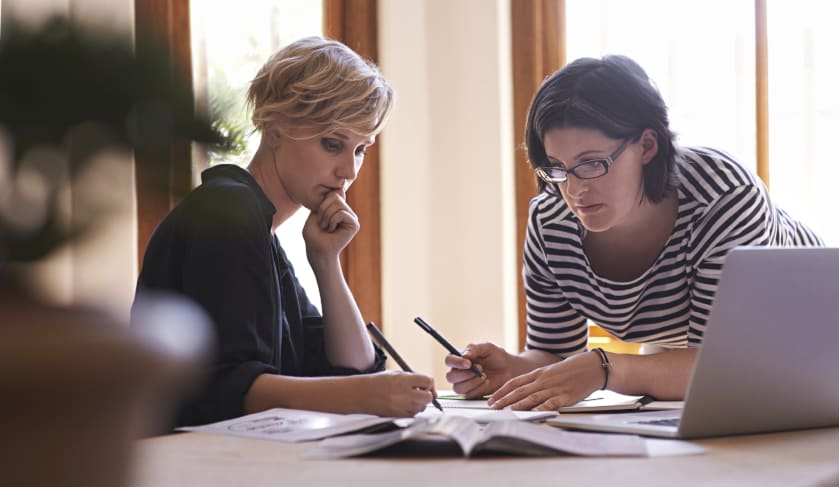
805,458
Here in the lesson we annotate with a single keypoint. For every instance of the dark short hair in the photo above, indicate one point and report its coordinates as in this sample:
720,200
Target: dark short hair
613,95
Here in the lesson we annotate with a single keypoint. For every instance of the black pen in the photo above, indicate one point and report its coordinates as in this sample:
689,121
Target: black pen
431,331
380,339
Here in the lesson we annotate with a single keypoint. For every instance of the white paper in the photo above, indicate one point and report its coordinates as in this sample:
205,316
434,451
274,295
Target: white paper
291,425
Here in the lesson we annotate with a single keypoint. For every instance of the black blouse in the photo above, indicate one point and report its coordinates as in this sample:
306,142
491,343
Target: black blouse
216,247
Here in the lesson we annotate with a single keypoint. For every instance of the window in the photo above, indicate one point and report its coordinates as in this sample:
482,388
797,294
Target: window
230,44
703,60
701,57
804,112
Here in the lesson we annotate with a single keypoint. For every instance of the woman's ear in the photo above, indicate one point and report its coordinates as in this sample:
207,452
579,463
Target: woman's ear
271,137
649,145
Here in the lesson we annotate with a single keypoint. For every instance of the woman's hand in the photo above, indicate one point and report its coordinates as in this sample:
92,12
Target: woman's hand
550,387
494,363
330,228
393,393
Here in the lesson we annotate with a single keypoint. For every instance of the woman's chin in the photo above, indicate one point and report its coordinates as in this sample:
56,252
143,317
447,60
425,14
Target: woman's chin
593,223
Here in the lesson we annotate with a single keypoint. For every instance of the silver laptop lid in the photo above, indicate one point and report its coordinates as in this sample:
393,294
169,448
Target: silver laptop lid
769,356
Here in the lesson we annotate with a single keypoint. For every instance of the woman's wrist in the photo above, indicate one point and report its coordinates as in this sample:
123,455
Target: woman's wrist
605,365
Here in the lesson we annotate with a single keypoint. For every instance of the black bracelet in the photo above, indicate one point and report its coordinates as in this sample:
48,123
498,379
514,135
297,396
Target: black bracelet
604,364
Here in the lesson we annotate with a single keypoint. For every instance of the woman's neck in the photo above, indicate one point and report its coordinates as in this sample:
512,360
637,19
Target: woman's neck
264,170
625,252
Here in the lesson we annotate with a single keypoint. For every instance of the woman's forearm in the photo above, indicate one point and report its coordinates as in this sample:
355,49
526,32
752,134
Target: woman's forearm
663,375
310,393
346,339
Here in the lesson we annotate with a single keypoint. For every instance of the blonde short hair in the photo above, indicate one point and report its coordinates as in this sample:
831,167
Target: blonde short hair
314,86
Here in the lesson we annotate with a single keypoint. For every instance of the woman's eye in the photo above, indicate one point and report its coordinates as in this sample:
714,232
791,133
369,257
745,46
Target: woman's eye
361,150
331,145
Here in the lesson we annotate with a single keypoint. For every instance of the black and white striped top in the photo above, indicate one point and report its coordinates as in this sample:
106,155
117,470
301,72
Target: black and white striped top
721,205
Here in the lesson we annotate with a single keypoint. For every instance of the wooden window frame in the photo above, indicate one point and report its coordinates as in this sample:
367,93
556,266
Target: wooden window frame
538,49
355,23
160,186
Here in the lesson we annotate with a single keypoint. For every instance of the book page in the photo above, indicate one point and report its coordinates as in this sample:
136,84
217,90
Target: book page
352,445
292,425
556,441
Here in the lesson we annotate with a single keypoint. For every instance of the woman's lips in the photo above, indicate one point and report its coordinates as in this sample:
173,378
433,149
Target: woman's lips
589,209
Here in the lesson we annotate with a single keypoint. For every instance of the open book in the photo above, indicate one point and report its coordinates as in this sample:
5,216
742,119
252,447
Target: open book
506,437
598,401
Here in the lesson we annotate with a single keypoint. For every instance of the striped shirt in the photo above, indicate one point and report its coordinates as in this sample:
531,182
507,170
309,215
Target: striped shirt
721,205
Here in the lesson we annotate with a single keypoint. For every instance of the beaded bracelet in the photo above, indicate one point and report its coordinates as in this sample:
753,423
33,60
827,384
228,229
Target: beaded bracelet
605,364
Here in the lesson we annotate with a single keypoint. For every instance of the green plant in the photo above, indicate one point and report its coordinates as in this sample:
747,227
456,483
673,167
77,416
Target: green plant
67,95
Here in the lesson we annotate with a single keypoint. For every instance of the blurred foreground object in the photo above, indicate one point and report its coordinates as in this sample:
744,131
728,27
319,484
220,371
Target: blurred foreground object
66,95
77,386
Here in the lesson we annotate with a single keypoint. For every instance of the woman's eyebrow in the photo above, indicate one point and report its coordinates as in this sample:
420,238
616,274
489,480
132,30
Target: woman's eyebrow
345,137
582,156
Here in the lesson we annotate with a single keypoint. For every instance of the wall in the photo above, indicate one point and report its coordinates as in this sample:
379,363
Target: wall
448,239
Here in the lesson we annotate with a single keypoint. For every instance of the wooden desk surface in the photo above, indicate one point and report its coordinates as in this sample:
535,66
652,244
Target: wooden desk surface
801,458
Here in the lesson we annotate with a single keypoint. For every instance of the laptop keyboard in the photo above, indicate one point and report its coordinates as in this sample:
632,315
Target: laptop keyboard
661,422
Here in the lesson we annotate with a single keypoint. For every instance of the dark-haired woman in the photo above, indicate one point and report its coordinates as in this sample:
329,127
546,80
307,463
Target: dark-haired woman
629,231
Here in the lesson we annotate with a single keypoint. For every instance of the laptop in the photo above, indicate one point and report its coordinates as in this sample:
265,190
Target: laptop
769,358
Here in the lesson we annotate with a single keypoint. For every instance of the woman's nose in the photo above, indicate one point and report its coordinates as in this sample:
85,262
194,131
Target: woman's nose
575,186
348,167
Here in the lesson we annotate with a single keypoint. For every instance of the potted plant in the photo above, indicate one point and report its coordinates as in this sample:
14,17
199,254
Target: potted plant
76,386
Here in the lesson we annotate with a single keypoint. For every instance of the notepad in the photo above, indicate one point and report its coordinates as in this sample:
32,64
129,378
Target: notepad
603,401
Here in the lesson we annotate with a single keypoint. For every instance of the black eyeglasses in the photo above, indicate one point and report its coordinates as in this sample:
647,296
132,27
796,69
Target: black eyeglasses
594,168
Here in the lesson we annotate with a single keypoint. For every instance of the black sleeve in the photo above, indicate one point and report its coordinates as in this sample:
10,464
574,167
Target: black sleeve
216,249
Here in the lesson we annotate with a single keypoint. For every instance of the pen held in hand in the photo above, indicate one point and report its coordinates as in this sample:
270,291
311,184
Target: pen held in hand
431,331
382,341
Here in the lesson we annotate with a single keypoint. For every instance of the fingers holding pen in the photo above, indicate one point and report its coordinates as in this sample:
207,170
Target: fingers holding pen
462,375
492,362
413,392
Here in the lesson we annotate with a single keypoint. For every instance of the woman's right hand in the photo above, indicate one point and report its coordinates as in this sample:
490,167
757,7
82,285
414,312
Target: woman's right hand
394,393
493,361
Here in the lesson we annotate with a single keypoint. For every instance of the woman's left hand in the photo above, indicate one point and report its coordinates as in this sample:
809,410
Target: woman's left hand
330,228
550,387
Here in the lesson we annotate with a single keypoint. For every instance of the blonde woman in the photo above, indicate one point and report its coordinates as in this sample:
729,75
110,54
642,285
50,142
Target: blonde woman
318,106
